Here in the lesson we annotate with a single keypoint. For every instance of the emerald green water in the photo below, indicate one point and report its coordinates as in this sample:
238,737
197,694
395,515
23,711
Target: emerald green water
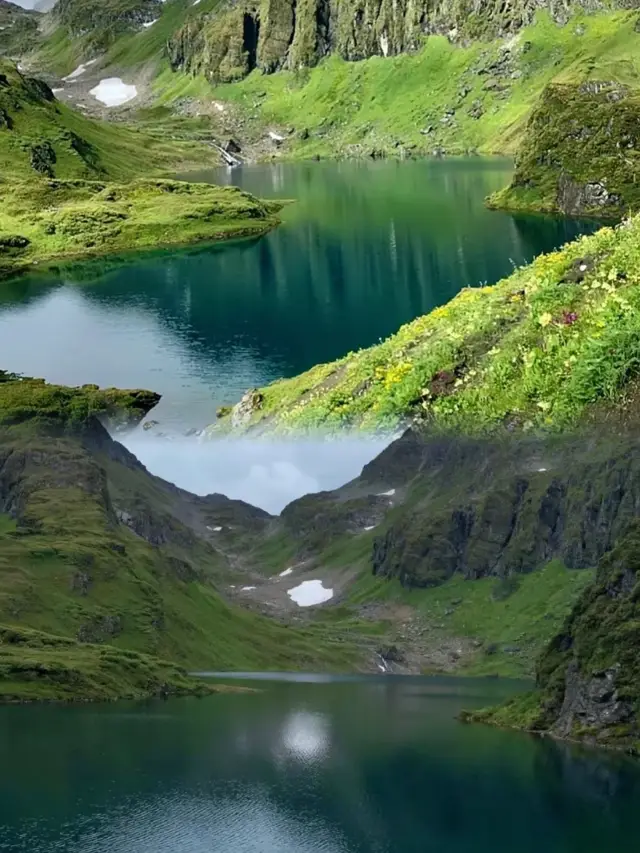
370,765
365,248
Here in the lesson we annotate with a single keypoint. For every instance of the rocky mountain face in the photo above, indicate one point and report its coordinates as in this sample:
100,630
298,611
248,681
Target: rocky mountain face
482,509
449,505
273,34
100,23
18,29
580,152
590,673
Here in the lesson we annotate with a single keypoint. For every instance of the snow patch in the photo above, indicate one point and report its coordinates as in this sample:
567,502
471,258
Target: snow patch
388,494
79,71
215,529
150,23
195,2
309,593
275,136
285,573
247,588
57,91
542,469
112,92
370,527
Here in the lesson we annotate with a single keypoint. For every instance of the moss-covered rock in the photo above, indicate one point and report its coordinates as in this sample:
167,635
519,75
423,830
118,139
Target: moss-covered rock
580,154
588,677
274,34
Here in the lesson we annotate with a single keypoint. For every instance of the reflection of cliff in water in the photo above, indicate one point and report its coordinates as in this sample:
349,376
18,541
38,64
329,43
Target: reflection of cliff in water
347,267
365,248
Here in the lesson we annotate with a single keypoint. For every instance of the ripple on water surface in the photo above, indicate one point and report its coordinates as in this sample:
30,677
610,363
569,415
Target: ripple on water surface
311,765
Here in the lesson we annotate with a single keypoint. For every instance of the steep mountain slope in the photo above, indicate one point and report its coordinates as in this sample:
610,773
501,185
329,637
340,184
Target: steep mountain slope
580,153
19,29
95,549
588,678
276,34
39,135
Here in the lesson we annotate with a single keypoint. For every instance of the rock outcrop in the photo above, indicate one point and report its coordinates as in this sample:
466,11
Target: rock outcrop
294,34
481,508
580,154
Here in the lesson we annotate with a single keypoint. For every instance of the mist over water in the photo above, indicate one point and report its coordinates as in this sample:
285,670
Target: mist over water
264,472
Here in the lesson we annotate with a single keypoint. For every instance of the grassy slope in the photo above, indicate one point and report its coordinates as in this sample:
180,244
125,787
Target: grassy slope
69,568
35,666
536,349
512,624
43,139
377,103
131,47
83,148
71,219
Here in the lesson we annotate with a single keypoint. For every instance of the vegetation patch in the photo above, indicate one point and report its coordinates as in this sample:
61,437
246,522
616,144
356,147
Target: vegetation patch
580,154
36,667
538,349
62,219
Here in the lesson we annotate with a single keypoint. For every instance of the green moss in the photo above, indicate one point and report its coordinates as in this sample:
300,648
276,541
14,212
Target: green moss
62,219
24,399
580,154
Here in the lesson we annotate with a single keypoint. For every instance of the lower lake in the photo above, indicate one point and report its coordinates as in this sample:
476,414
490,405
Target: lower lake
324,765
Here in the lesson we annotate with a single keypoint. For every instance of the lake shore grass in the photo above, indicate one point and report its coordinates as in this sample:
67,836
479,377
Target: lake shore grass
45,220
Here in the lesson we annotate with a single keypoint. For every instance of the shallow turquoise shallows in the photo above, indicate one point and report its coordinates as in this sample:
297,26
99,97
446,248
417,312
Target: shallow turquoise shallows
366,247
375,765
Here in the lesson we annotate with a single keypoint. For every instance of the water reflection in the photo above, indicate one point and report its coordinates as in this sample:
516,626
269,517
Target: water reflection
352,766
365,248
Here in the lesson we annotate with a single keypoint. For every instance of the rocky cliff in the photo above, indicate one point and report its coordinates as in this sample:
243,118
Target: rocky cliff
588,677
580,153
482,508
232,40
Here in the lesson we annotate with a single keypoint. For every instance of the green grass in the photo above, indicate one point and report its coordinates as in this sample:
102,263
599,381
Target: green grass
78,146
382,104
70,567
513,619
68,219
27,399
37,667
538,349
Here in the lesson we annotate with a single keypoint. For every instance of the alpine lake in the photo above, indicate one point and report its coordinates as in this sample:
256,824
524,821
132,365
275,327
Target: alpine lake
306,764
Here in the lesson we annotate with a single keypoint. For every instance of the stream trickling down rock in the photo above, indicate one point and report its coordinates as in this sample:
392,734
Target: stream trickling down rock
362,765
366,247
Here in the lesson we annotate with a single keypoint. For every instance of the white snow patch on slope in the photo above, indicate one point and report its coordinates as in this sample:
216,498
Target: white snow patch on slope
149,23
79,71
112,92
285,573
309,593
247,588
